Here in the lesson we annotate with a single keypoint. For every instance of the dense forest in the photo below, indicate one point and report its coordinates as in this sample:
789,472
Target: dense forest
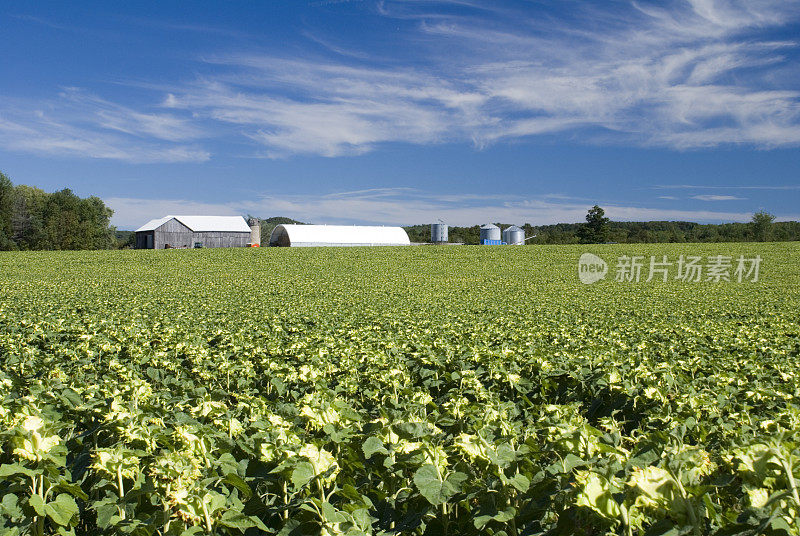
627,232
31,218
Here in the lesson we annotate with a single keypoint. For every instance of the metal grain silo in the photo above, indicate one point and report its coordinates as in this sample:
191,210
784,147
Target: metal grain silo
514,236
255,231
490,232
439,233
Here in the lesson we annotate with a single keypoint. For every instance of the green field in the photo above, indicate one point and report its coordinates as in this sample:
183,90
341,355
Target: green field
418,390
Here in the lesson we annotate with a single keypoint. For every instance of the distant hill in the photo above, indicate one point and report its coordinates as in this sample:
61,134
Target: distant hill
125,238
277,220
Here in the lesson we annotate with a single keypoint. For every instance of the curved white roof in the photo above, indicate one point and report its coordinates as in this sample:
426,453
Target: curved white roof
202,224
337,235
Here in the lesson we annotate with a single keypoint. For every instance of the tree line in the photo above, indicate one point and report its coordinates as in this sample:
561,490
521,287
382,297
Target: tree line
31,218
599,229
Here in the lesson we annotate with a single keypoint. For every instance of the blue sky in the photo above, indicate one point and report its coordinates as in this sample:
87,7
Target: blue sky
403,112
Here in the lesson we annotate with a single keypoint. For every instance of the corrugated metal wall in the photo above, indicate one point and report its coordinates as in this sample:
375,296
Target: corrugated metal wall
174,233
144,240
222,240
177,235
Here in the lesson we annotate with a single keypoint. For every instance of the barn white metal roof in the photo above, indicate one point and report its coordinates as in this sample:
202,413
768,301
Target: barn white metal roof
152,225
337,235
201,224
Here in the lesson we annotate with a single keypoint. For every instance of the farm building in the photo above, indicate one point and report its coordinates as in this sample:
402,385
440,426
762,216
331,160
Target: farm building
197,232
337,235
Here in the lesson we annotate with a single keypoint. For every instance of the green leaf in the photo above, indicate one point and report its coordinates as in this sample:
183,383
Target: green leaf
503,456
362,518
331,514
596,495
38,505
13,469
73,489
9,507
429,484
373,445
237,520
278,384
227,464
302,474
435,490
501,517
62,510
571,462
107,512
72,397
506,515
666,527
454,481
238,482
412,430
520,482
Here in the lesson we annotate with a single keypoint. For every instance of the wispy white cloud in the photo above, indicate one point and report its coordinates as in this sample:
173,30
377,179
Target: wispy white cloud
330,109
726,187
403,206
132,213
105,114
712,197
83,125
734,14
679,75
43,22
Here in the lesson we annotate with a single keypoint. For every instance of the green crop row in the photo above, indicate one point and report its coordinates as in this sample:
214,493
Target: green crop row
418,390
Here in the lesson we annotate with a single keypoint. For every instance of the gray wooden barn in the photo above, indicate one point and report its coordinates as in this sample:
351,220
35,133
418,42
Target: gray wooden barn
196,232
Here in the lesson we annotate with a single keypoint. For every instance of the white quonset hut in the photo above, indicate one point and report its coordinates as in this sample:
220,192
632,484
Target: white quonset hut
194,231
288,235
